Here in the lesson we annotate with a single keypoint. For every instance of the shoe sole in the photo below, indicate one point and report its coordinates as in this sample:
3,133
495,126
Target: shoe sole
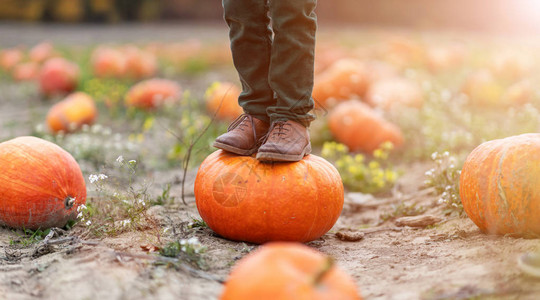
234,150
278,157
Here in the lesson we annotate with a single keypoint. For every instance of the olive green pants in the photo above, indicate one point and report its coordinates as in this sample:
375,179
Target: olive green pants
273,49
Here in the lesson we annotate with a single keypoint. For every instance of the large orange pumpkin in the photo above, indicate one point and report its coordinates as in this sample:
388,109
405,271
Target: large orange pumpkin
41,185
223,98
243,199
341,81
153,93
356,125
71,113
392,92
500,185
58,76
284,271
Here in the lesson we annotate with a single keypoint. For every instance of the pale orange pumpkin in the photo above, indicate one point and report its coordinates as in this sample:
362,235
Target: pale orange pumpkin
482,88
360,128
58,76
395,92
285,271
41,52
222,100
153,93
26,71
139,63
511,65
243,199
500,185
71,113
10,57
108,62
41,185
519,93
444,58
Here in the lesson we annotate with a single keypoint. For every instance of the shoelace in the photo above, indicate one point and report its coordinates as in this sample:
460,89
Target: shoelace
239,122
277,129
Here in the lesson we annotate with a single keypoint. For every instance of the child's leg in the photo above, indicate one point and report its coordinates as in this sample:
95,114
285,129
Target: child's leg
291,66
251,42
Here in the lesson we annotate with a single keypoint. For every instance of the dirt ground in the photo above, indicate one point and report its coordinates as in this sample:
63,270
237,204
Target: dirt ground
450,260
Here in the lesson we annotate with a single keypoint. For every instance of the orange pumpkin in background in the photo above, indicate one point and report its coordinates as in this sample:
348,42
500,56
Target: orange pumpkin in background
284,271
243,199
26,71
395,92
379,70
344,79
41,185
153,93
108,62
403,51
10,57
41,52
71,113
519,93
482,88
444,58
511,65
326,55
500,186
58,76
360,128
223,98
139,63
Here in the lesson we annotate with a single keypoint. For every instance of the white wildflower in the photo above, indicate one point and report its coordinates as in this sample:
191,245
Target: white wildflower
88,223
93,178
120,159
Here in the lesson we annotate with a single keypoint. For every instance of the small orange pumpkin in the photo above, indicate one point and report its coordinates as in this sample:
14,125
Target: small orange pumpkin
341,81
519,93
108,62
356,125
26,71
41,52
223,96
41,185
153,93
71,113
392,92
444,58
139,63
243,199
10,57
58,76
283,271
482,88
500,185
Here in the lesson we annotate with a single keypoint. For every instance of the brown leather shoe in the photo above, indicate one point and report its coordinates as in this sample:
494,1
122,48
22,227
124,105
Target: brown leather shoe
243,135
286,141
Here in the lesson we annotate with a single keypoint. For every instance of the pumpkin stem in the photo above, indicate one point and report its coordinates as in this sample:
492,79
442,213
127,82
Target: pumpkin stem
69,201
325,268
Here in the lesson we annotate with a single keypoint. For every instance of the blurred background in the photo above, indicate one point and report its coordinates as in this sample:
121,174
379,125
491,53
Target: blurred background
483,15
